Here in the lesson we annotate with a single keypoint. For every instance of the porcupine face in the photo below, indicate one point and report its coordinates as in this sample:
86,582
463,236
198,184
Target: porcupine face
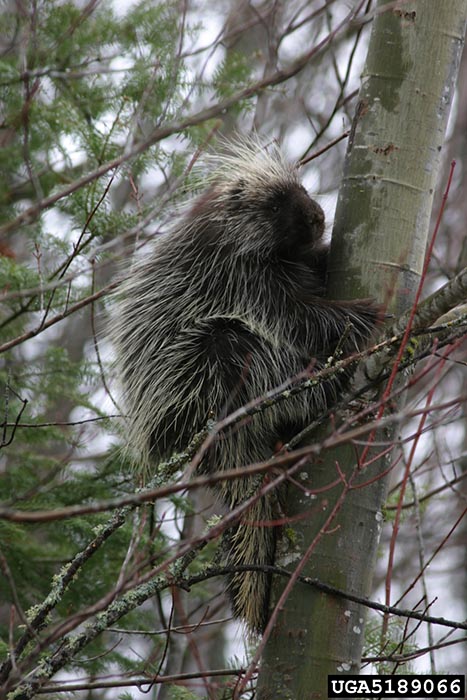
255,205
298,221
283,220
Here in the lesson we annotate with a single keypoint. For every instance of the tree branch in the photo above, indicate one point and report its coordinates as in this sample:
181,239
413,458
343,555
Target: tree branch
160,133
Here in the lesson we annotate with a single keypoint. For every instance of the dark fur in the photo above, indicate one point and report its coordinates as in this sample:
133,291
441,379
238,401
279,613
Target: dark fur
229,305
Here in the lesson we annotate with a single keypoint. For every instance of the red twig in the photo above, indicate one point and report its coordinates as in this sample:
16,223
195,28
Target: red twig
395,528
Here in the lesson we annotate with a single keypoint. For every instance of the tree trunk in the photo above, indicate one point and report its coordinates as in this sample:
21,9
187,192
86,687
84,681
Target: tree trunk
378,248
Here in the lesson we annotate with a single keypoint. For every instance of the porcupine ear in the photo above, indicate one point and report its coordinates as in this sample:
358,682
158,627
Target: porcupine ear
238,189
236,196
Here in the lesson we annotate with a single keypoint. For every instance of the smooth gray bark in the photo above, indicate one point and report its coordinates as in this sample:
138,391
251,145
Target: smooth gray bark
378,248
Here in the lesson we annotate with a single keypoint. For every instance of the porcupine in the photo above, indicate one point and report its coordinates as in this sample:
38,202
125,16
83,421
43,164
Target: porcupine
227,306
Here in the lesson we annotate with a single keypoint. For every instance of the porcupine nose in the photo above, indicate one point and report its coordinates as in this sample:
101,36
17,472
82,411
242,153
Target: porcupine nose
303,220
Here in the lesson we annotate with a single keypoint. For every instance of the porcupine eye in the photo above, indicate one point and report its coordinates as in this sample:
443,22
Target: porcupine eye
298,220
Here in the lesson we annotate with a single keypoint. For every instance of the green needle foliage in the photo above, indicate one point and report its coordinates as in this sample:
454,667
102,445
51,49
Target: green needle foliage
78,87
